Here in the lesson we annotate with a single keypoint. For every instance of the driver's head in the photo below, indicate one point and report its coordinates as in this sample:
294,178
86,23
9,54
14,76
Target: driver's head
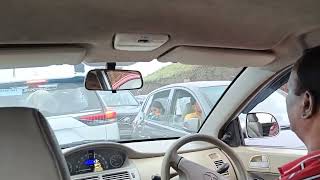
196,106
156,108
303,98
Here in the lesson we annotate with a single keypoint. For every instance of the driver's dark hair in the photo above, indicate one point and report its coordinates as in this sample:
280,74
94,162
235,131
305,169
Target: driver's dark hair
308,72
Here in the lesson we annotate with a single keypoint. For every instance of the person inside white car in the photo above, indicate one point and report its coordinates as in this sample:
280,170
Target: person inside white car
156,111
196,111
303,106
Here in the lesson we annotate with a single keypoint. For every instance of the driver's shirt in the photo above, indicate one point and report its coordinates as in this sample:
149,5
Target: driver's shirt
306,167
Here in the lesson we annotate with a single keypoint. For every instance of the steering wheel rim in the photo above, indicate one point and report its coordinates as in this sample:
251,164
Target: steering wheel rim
172,159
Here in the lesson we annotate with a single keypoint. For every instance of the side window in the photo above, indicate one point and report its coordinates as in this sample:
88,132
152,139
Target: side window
273,106
157,107
185,108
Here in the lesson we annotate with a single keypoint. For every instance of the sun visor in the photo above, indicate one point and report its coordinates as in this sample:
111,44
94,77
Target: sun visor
218,57
40,56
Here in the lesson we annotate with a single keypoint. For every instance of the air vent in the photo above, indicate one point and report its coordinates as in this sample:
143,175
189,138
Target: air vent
89,178
117,176
220,163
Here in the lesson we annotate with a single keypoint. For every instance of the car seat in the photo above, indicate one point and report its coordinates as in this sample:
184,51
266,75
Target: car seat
187,109
254,127
29,148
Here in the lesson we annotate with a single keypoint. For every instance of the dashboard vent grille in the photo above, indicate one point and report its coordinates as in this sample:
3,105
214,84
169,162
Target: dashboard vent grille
220,163
117,176
90,178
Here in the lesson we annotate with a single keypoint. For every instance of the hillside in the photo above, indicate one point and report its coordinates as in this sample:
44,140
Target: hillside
177,73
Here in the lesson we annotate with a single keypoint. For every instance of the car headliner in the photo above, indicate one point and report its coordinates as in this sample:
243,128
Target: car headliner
251,25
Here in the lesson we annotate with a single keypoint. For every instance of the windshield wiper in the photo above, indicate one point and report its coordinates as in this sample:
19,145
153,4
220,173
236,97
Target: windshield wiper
77,143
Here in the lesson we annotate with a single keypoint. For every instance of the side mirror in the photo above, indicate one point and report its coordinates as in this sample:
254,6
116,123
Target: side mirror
191,125
261,124
113,80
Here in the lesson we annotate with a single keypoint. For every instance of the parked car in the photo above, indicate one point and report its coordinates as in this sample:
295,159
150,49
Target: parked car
176,100
126,107
72,111
175,97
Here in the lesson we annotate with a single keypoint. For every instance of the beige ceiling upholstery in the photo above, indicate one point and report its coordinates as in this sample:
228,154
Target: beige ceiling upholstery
218,56
246,24
40,56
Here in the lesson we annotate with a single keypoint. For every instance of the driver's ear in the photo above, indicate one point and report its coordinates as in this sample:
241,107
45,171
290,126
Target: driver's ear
309,106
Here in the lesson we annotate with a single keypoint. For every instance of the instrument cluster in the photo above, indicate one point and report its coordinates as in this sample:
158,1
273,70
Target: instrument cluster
95,160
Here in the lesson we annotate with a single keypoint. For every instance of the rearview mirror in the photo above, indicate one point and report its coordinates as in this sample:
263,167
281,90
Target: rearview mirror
261,124
113,80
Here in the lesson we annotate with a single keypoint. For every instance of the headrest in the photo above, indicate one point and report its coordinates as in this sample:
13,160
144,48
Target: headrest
29,149
252,118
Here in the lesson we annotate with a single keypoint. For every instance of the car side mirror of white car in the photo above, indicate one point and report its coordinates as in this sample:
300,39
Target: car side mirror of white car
191,125
261,124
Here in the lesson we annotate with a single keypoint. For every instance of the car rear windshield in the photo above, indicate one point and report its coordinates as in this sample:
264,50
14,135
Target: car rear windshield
121,98
52,97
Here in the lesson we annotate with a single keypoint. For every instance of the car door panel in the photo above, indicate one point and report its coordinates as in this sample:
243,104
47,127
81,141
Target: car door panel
154,127
263,176
262,156
163,130
273,157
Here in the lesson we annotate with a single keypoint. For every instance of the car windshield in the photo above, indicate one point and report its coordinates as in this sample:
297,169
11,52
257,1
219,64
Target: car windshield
175,100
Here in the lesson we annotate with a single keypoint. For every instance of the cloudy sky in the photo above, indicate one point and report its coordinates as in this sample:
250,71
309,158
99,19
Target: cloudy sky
147,68
56,71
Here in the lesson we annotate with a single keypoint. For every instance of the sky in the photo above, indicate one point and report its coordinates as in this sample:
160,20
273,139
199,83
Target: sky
20,74
147,68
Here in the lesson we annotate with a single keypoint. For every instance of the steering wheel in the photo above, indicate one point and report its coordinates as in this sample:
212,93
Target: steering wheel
188,170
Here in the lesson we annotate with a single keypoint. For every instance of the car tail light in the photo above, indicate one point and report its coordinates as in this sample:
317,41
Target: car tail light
39,81
99,119
36,83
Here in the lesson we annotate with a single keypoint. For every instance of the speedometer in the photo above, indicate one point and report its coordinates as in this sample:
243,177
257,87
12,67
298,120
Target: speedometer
95,160
91,162
116,161
82,165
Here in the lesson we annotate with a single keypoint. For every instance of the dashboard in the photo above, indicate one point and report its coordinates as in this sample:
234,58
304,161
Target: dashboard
95,160
101,161
114,161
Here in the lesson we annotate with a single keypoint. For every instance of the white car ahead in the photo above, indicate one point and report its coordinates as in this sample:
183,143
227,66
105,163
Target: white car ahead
74,113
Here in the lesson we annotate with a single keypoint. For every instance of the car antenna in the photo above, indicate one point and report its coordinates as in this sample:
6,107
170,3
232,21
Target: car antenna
111,66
